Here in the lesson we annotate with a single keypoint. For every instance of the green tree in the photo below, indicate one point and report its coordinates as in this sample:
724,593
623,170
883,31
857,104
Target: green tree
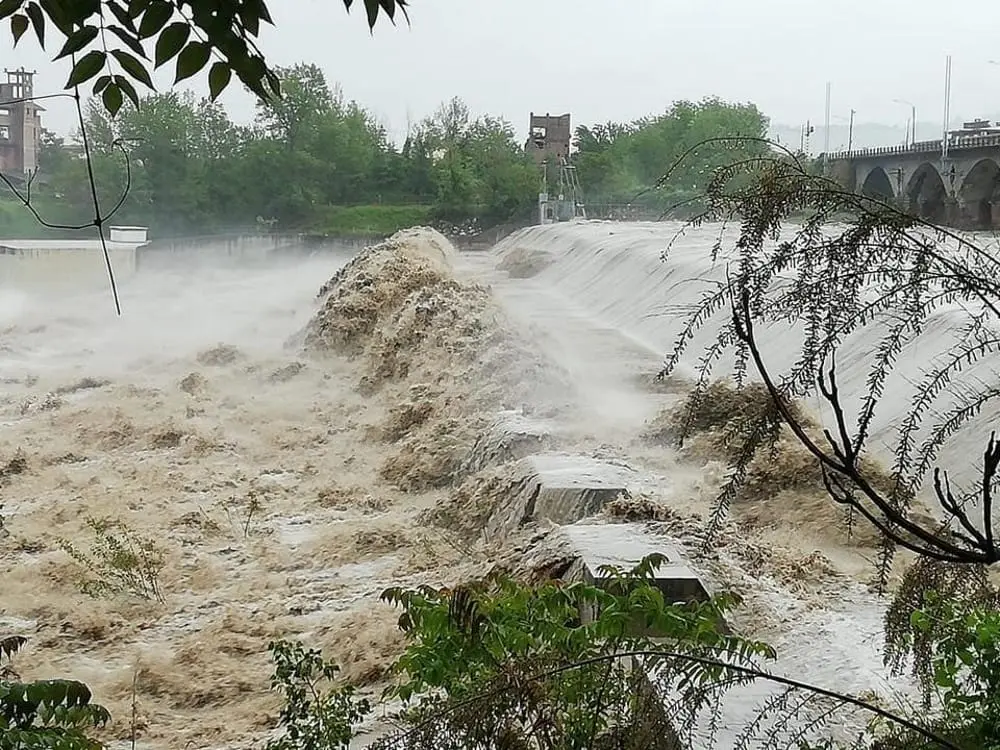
304,101
502,664
617,161
477,167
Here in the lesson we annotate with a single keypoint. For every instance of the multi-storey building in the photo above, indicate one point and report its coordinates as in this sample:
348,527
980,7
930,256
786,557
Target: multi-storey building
20,124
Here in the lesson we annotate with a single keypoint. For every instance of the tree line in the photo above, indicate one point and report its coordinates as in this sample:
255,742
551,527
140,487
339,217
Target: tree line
313,160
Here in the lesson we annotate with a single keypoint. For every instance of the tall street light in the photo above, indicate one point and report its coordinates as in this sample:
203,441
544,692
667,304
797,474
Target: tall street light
947,111
850,127
913,119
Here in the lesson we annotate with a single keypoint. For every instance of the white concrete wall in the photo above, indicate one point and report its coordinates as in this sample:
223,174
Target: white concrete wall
77,267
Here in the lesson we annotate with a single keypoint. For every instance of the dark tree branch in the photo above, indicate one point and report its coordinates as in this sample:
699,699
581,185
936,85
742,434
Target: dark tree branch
976,550
754,673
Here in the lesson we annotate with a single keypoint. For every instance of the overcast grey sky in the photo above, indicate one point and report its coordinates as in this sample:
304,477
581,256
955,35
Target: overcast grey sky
614,60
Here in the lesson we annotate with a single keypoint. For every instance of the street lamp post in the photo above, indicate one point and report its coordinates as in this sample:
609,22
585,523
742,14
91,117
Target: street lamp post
850,128
826,131
947,111
913,120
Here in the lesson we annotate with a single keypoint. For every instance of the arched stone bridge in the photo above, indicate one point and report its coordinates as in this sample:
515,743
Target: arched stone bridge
963,190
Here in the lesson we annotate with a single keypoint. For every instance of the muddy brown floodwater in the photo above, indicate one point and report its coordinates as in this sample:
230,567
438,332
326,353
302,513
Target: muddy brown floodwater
293,455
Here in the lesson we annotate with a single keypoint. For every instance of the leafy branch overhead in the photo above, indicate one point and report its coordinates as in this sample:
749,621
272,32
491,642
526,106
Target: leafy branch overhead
117,43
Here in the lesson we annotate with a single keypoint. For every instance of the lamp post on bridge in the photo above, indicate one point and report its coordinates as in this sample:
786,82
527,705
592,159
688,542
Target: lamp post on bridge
947,112
850,127
912,130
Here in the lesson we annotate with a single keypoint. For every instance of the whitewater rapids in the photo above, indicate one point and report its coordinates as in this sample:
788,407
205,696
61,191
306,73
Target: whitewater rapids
616,273
609,307
292,452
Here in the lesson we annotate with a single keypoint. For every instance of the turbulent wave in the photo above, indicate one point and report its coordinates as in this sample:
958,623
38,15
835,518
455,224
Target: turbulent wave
619,271
437,349
294,454
280,450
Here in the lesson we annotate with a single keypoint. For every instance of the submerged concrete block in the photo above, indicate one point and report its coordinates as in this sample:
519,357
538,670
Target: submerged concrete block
558,488
510,437
623,546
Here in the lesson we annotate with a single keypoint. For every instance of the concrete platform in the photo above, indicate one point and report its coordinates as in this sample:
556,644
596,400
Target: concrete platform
559,488
624,546
510,437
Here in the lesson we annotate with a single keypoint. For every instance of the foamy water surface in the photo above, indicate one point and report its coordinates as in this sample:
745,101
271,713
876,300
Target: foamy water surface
331,533
164,316
611,279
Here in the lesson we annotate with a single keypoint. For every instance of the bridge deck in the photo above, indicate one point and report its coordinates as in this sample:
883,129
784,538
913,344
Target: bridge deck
959,143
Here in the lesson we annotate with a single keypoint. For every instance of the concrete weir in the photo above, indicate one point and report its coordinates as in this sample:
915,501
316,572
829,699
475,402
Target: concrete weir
559,488
510,437
569,491
624,545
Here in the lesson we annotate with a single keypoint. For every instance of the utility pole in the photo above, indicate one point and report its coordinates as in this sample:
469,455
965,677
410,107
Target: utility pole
911,129
826,130
804,134
850,132
947,111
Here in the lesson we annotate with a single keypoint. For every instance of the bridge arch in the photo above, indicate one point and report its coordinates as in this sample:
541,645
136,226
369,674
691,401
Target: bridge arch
877,184
925,193
980,192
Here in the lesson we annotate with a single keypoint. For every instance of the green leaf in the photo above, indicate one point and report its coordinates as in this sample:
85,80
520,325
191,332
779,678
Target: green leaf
191,60
112,98
171,40
133,67
86,68
77,41
18,25
155,18
65,22
137,7
250,18
127,89
124,17
372,7
7,7
38,21
264,13
100,84
129,38
218,78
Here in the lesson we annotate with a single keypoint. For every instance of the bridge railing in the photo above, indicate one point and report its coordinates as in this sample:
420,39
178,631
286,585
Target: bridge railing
957,143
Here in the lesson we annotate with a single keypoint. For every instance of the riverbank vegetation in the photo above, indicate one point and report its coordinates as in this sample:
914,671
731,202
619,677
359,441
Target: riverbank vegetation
316,161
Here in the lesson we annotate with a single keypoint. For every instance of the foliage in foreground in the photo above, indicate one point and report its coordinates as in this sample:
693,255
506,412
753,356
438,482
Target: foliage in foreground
317,712
961,645
561,666
109,41
885,276
502,664
49,714
880,278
